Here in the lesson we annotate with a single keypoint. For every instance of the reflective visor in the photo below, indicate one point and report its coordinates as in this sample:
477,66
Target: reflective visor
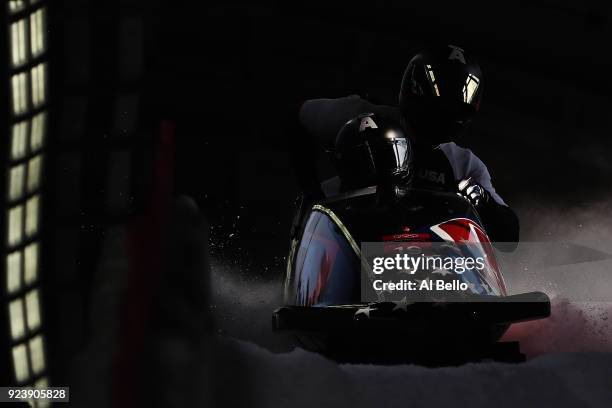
393,154
470,88
452,85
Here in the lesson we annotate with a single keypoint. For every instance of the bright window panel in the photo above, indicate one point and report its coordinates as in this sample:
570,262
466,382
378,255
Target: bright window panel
20,362
38,74
32,215
42,383
32,302
16,182
30,265
19,88
16,5
19,143
37,32
39,126
34,173
15,225
13,272
37,354
19,54
17,318
43,403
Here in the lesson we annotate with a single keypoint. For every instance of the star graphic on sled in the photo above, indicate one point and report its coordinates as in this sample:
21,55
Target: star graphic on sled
402,304
420,281
366,311
388,290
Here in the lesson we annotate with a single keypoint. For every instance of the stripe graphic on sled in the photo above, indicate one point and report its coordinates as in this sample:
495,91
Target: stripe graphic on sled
466,231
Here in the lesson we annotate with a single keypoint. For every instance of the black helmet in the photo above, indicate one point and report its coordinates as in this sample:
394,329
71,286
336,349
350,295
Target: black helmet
440,93
372,150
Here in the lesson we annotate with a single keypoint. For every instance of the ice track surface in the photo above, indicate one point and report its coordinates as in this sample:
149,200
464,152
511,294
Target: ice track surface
302,379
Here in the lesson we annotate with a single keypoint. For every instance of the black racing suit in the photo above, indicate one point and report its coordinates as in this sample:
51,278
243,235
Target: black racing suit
438,167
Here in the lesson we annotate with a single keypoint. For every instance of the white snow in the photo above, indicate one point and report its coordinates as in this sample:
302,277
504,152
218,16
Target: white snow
302,379
570,365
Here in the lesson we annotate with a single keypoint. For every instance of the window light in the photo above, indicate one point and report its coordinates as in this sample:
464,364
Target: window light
17,318
19,141
37,32
15,225
19,87
20,362
18,43
34,173
38,131
32,213
13,272
32,303
16,5
37,354
38,84
30,265
16,182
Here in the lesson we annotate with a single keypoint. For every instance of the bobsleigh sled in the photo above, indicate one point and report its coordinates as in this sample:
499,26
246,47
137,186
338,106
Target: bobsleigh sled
334,302
323,288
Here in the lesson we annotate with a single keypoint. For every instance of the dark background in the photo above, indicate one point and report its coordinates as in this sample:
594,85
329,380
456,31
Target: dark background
235,73
230,75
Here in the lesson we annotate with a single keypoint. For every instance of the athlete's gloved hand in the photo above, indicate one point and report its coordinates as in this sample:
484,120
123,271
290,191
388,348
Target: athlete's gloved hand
474,192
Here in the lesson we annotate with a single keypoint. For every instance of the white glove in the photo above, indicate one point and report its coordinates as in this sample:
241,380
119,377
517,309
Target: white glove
474,192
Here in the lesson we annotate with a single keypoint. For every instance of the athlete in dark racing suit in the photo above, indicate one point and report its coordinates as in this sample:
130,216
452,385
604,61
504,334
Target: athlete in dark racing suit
440,93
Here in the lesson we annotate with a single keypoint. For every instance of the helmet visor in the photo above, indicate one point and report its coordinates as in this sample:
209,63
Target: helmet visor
392,154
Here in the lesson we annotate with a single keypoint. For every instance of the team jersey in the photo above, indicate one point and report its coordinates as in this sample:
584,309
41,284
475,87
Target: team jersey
440,167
